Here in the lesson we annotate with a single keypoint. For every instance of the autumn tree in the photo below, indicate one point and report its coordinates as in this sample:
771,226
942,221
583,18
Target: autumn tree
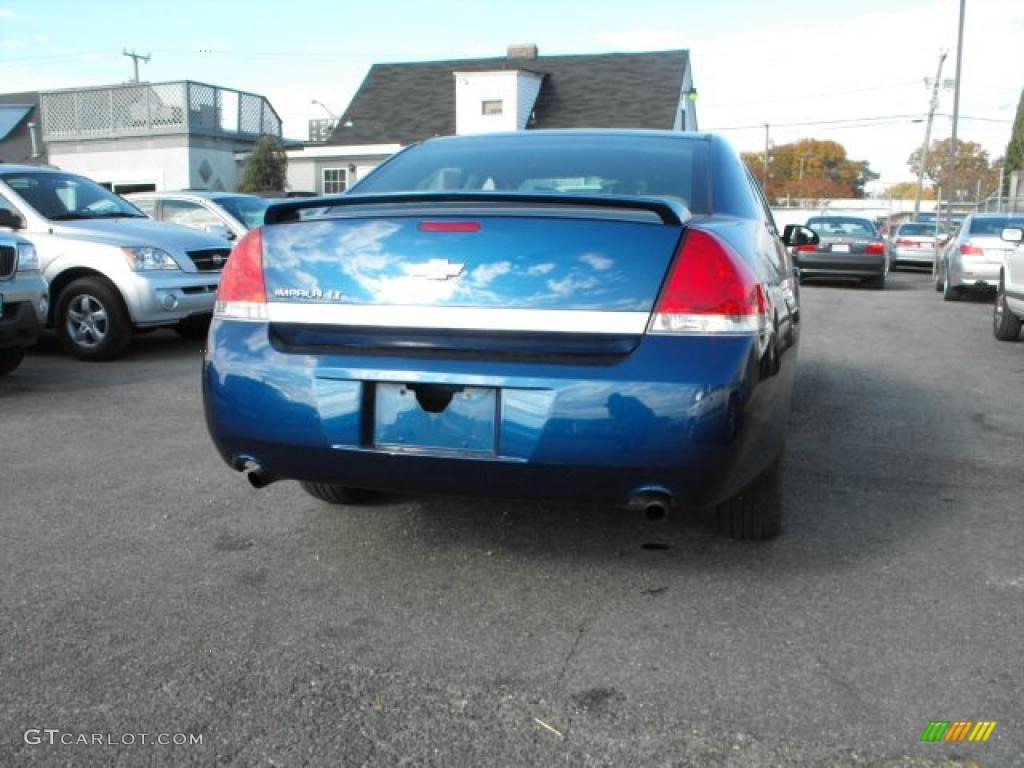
973,168
266,167
907,190
810,168
1015,149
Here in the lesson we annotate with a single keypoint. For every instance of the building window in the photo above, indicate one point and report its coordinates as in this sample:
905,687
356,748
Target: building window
493,107
335,180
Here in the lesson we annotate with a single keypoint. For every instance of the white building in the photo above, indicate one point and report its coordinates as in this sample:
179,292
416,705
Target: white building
151,136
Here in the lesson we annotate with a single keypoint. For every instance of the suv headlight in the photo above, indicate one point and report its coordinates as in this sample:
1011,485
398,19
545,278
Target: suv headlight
145,258
28,261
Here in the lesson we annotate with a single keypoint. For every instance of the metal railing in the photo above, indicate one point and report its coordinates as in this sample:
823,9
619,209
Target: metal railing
151,109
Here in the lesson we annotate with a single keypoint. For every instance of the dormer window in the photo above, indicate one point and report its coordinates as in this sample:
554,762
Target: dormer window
491,107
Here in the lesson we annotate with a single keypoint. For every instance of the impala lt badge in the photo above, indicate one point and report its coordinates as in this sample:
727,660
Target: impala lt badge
436,269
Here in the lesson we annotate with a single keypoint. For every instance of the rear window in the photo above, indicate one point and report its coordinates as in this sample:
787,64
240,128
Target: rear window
994,226
567,164
837,226
926,230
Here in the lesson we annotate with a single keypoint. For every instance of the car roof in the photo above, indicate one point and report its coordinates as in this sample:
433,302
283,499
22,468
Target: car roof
197,195
5,167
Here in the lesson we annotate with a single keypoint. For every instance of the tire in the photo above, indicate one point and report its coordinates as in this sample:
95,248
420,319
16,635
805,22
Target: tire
949,293
337,494
10,358
196,327
755,513
937,275
91,320
1005,325
877,283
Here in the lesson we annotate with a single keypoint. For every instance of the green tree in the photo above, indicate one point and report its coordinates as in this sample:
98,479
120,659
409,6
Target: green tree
1015,149
811,168
266,168
973,167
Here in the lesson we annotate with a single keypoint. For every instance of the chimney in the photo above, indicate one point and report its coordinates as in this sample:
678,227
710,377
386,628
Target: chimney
522,51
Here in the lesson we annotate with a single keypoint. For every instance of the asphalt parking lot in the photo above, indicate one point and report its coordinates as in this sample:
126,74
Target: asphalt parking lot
149,589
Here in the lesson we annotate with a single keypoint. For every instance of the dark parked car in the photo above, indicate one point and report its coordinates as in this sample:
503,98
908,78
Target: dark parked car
849,247
606,316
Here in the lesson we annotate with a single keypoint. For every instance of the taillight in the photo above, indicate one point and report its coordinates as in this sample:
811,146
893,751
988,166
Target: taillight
971,250
806,248
710,289
449,226
907,243
875,248
243,291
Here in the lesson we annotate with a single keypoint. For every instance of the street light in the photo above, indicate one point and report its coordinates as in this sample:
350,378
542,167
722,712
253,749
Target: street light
324,108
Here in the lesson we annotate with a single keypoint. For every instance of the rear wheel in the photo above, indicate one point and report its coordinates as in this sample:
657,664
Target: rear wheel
92,321
337,494
1005,325
10,358
755,513
937,276
949,292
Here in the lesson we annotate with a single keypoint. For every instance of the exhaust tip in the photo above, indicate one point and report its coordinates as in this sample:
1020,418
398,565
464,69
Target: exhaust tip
654,505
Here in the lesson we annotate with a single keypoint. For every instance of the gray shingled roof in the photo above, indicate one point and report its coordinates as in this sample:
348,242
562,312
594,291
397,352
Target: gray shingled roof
16,147
406,103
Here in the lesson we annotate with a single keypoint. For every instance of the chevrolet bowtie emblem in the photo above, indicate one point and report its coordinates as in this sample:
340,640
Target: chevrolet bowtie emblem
436,269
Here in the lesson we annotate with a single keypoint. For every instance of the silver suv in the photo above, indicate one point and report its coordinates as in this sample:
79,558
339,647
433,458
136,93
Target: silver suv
1008,315
23,300
111,270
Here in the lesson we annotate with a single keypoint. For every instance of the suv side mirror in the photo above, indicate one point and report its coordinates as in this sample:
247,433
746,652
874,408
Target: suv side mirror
1012,235
10,219
794,234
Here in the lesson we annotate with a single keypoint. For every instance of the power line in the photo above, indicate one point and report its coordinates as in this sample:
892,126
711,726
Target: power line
808,97
866,120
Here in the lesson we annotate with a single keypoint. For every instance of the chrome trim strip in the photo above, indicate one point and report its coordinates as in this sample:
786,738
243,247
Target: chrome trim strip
460,318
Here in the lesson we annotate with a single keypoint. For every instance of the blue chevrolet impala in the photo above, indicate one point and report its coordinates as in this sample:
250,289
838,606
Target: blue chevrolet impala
606,316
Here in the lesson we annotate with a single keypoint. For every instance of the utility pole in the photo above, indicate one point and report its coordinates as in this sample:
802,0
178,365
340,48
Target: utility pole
135,57
956,106
766,141
932,106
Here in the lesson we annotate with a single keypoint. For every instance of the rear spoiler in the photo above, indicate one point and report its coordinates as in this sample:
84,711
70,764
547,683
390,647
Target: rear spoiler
670,211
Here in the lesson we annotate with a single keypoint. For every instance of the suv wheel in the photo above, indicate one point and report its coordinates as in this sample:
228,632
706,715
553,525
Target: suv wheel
755,513
337,494
91,320
1005,325
10,358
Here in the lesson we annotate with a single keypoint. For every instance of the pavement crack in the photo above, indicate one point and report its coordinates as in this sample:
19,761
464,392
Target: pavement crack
580,631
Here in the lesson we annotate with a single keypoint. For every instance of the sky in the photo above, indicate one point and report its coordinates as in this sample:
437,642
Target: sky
854,69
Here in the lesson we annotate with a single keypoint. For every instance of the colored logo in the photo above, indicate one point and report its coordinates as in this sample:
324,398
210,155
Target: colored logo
958,730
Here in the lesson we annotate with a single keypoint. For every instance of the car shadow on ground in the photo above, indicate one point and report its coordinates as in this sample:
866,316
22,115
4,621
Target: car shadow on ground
847,497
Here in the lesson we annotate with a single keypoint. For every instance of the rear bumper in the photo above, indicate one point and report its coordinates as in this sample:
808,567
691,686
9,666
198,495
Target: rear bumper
974,275
840,264
913,257
693,417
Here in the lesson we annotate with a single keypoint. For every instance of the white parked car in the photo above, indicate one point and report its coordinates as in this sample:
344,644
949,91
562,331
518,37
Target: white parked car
111,269
226,214
1008,315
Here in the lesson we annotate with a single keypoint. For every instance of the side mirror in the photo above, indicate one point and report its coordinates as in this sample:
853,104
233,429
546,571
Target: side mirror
794,234
1012,235
219,230
10,219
